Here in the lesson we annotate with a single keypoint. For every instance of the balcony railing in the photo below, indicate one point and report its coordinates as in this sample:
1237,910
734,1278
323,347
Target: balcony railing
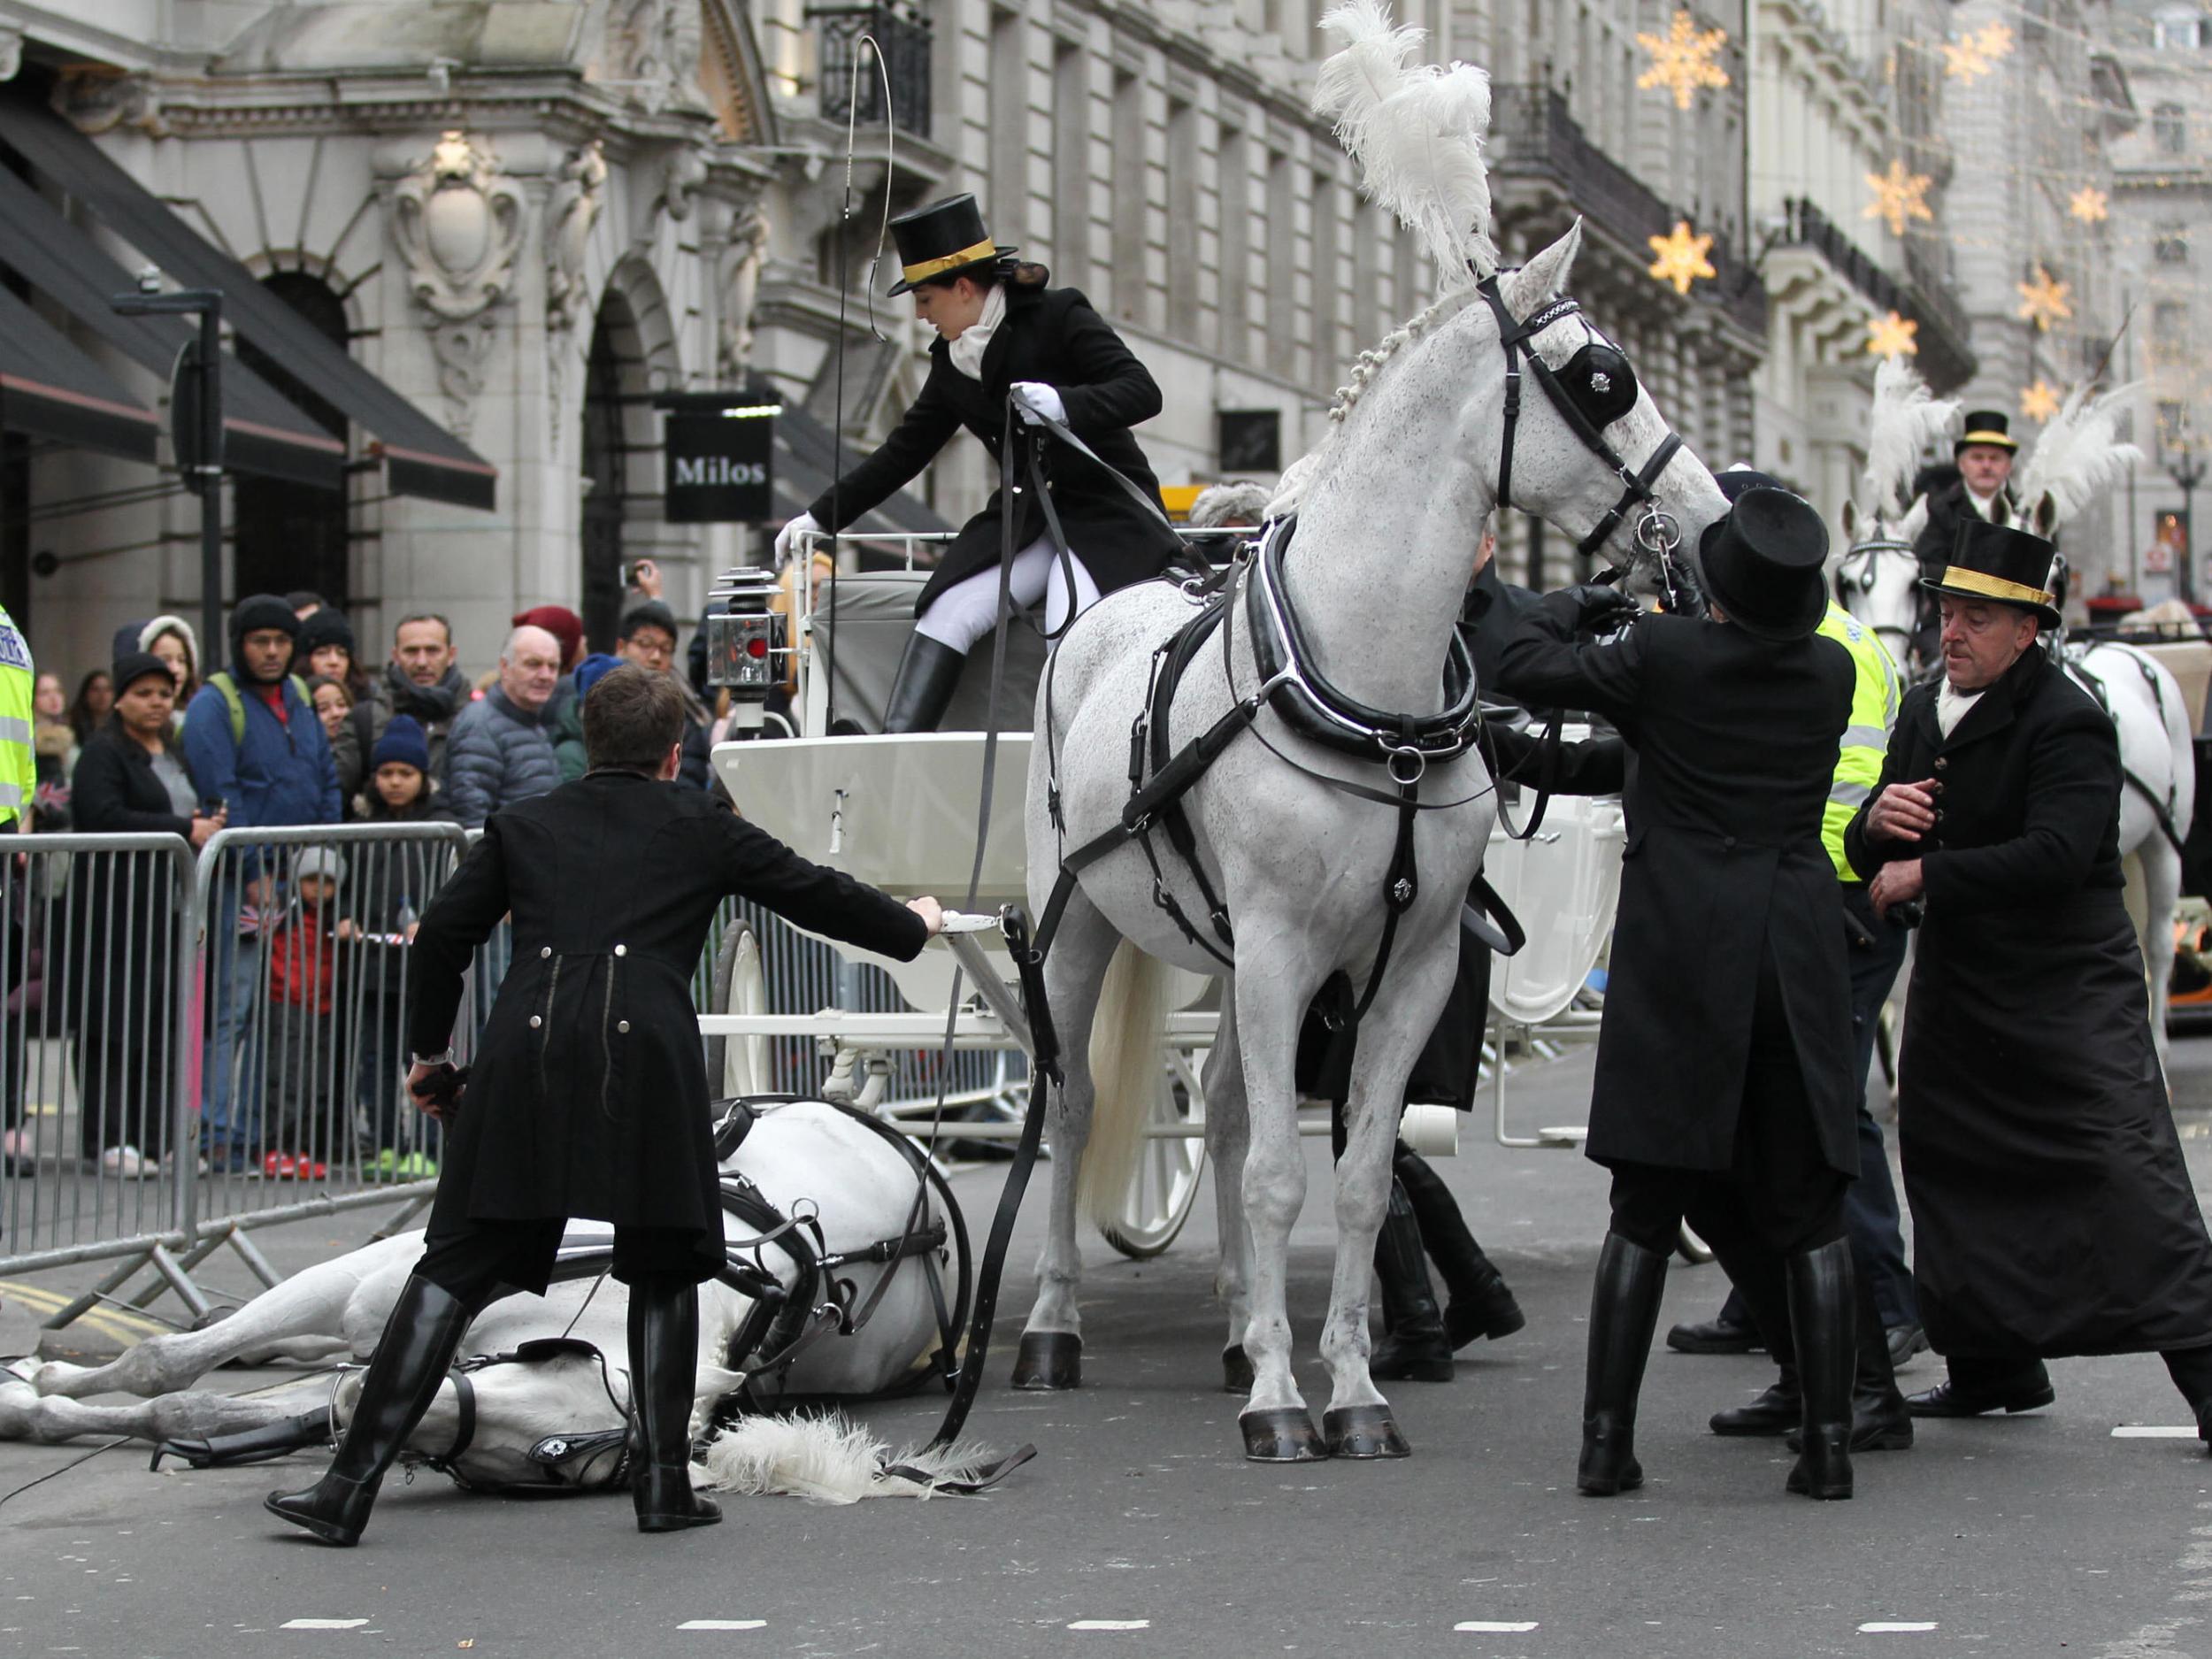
1534,136
1945,356
902,35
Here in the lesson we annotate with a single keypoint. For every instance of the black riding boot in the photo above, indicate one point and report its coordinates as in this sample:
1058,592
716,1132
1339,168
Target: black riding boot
663,1374
1823,1300
920,694
1482,1303
1880,1419
1413,1347
412,1359
1623,1312
1759,1290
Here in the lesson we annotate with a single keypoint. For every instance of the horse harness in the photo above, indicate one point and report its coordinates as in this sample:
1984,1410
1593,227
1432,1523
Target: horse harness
2076,665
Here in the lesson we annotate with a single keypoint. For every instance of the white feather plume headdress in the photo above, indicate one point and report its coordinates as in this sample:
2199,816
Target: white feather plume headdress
1907,419
1417,131
2079,453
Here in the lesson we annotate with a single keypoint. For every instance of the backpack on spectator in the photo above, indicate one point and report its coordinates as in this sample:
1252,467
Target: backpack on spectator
222,681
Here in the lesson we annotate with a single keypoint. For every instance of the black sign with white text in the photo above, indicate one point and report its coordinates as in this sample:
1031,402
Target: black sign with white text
719,465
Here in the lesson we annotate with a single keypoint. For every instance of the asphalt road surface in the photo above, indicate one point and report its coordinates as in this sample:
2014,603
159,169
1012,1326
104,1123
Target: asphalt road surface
1140,1531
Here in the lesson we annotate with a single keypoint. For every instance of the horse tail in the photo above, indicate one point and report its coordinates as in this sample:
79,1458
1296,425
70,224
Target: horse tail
1128,1054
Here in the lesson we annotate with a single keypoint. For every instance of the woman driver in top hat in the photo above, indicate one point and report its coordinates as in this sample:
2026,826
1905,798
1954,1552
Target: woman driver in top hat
1000,329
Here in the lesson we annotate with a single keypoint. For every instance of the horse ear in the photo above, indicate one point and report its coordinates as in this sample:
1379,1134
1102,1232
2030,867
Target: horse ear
1850,521
2046,515
1544,277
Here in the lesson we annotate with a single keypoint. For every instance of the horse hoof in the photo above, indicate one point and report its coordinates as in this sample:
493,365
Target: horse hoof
1362,1431
1049,1360
1281,1435
1236,1369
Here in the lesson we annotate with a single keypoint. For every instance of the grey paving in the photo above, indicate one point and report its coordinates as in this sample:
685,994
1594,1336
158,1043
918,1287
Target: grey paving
2034,1535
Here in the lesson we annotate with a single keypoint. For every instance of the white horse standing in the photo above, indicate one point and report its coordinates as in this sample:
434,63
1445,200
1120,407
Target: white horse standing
1388,514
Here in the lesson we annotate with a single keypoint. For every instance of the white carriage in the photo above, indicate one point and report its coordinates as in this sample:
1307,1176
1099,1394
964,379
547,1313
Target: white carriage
901,812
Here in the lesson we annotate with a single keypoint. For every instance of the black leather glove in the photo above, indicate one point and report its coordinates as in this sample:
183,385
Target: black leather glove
1593,606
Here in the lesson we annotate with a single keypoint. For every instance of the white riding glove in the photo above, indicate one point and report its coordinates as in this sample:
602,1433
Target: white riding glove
787,538
1040,400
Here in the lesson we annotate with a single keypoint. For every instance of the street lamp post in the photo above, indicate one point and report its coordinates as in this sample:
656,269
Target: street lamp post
2187,471
198,441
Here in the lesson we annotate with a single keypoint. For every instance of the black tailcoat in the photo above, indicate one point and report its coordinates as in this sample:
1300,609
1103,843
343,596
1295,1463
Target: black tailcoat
1735,740
1948,509
587,1095
1050,335
2052,1212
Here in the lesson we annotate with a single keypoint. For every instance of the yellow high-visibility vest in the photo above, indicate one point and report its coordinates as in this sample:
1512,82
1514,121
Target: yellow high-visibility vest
1874,699
19,768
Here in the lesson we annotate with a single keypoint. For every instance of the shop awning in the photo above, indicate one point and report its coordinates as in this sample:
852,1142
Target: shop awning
262,432
50,389
420,456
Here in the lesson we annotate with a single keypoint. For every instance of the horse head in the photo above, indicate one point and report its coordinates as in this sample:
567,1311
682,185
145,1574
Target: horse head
1877,579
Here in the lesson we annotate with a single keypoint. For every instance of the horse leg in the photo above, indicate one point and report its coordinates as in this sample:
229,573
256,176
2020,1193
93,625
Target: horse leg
2162,890
1228,1135
1269,1008
316,1302
1051,1352
196,1414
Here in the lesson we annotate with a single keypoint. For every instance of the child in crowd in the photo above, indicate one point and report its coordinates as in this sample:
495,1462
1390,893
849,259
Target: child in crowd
305,1038
333,707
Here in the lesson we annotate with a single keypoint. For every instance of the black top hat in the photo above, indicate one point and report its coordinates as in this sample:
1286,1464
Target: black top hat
1985,425
942,239
1762,564
1741,480
1997,563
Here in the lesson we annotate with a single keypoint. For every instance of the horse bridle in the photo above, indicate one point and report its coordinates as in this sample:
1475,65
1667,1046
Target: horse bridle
1856,570
1604,401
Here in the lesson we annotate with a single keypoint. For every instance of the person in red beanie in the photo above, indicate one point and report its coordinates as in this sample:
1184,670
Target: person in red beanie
562,624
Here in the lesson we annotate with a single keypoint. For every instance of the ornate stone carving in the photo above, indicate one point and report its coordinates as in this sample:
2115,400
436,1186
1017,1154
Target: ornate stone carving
577,194
457,224
741,282
682,171
95,99
653,49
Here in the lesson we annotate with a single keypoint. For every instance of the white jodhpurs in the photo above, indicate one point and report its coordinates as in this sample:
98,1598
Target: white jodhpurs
965,611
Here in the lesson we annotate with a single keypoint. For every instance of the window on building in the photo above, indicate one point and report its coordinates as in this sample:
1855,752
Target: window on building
2179,29
2169,128
2170,333
2173,422
2172,246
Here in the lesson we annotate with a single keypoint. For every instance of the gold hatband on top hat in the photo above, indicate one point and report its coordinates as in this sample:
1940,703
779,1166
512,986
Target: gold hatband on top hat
2003,441
1996,587
984,249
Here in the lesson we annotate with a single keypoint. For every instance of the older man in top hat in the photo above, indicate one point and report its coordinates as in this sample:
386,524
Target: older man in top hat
1983,454
2052,1213
1720,1093
1002,330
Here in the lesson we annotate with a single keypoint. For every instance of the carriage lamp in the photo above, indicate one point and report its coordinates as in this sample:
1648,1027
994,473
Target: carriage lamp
747,648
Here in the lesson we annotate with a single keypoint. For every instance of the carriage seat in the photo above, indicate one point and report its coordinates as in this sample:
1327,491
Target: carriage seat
866,633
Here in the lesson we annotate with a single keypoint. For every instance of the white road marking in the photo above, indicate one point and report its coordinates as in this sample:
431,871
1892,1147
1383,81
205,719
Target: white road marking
1895,1627
322,1623
1497,1627
1111,1623
723,1624
2137,1433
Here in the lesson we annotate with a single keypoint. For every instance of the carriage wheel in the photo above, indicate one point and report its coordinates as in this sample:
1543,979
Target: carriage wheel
741,1064
1692,1248
1160,1195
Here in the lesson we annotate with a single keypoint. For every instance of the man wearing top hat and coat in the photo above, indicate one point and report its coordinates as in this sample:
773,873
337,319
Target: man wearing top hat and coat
1001,329
1720,1094
1983,454
2052,1213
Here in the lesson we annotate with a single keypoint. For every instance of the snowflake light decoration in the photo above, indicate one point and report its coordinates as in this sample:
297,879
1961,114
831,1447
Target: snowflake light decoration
1682,59
2090,205
2044,301
1899,195
1893,336
1994,41
1682,257
1964,60
2039,402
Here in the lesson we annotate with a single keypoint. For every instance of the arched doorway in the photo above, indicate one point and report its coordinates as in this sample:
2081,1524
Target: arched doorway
610,372
292,536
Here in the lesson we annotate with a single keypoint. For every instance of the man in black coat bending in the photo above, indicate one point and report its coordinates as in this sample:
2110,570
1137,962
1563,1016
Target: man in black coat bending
1720,1093
588,1094
2052,1212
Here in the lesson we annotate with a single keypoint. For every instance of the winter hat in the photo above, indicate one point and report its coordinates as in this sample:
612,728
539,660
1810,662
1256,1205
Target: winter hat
257,612
403,744
592,669
133,666
562,623
126,641
149,632
327,627
325,861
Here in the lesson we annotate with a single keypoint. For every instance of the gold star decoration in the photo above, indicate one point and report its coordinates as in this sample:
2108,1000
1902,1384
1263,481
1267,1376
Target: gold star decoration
1682,257
2090,205
1893,336
1899,195
2044,301
1994,41
1682,59
1964,60
2039,402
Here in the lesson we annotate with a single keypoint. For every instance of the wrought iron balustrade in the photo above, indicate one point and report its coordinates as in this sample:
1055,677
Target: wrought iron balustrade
902,35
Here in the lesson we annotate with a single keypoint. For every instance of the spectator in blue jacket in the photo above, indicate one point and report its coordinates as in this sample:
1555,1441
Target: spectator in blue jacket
500,748
251,739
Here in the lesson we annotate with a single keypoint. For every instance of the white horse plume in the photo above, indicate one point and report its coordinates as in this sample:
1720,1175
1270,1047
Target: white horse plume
2079,454
1374,63
1906,419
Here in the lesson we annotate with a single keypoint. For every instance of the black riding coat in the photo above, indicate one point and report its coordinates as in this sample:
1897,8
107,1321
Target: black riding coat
1734,740
2052,1213
587,1095
1050,335
1948,509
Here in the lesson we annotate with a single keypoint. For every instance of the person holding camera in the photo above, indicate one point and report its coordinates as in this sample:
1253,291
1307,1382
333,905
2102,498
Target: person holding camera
588,1094
1720,1088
